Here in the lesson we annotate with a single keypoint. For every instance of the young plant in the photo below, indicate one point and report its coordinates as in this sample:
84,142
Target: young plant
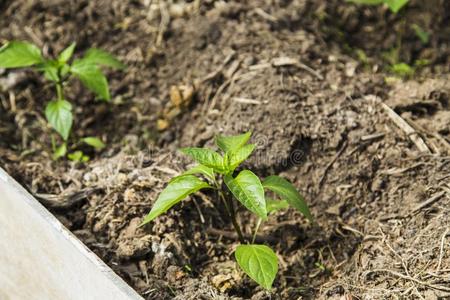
259,262
59,71
394,5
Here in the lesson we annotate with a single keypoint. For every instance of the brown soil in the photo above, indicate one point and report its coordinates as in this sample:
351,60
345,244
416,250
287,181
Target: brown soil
288,71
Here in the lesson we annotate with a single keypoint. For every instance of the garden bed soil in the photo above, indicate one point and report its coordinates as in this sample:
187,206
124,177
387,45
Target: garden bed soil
369,152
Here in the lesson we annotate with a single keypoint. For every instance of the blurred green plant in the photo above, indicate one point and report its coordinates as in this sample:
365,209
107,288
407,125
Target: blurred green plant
423,36
59,70
394,5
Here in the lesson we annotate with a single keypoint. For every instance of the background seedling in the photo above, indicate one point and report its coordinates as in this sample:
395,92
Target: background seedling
59,71
394,5
259,262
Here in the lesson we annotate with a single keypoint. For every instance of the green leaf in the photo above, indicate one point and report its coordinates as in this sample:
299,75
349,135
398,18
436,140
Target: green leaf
19,54
92,77
206,157
259,262
103,58
230,144
286,190
402,70
201,169
247,188
67,53
78,156
396,5
175,191
59,115
50,69
240,155
94,142
276,205
421,34
60,151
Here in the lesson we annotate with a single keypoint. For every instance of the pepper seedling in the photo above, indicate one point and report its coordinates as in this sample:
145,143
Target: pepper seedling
258,261
59,70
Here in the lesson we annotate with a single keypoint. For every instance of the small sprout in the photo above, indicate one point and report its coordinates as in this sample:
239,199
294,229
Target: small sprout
259,262
58,111
423,36
78,156
320,266
60,151
394,5
402,70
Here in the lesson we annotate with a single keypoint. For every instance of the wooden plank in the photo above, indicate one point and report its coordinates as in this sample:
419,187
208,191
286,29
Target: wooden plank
41,259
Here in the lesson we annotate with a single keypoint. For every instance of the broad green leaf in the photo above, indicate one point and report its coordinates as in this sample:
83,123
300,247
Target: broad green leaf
201,169
94,142
230,144
396,5
259,262
286,190
206,157
247,188
67,53
92,77
240,155
59,115
19,54
175,191
60,151
103,58
276,205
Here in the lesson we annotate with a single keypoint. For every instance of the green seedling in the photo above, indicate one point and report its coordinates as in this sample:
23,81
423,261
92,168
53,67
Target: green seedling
217,172
394,5
402,70
59,71
423,36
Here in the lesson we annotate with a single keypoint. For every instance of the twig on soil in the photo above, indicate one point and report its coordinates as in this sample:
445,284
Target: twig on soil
64,201
403,125
166,170
441,250
374,136
34,37
164,24
246,100
330,164
219,70
12,101
398,171
288,61
265,15
202,218
409,278
427,202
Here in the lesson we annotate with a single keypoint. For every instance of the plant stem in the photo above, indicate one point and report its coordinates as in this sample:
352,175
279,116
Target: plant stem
256,230
59,86
230,209
59,91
